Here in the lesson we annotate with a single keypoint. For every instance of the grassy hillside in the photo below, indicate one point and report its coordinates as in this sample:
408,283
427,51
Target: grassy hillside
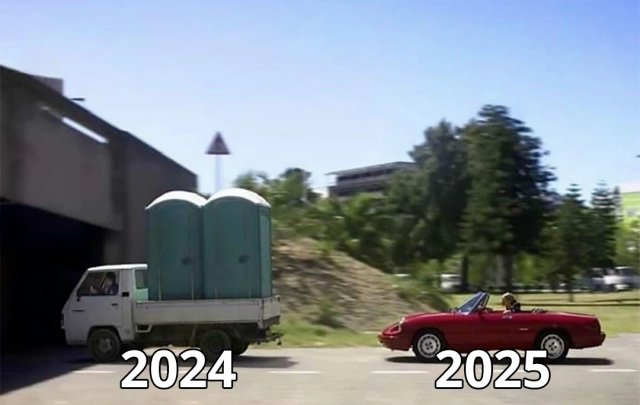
331,299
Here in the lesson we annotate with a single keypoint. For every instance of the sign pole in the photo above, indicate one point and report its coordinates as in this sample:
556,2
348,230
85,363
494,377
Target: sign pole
218,148
218,174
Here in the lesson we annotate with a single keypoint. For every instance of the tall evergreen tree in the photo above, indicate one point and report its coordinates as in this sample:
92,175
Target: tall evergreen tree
508,195
569,238
604,224
441,162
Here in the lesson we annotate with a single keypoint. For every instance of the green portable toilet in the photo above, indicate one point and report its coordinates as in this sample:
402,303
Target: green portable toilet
236,245
174,250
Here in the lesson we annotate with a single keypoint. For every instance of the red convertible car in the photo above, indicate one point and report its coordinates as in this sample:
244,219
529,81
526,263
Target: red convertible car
473,325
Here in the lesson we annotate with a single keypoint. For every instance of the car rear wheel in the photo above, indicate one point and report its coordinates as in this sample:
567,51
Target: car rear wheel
427,345
555,344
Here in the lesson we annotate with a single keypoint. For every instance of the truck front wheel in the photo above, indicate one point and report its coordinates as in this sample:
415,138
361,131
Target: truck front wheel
104,345
213,343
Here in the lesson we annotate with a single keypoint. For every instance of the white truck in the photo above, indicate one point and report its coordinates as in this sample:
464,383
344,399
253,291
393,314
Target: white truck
111,320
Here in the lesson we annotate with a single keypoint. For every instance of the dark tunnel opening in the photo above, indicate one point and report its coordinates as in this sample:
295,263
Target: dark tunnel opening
42,257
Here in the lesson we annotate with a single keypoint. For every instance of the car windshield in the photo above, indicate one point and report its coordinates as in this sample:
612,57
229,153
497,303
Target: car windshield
470,303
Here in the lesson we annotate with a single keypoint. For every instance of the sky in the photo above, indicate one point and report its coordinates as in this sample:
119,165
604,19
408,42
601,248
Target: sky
328,85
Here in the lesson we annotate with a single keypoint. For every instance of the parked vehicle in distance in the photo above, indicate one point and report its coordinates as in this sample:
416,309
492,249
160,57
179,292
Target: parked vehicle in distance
449,282
595,279
620,278
110,320
473,325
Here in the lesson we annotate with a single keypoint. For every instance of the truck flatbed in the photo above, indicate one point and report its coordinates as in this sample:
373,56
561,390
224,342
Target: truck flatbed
263,311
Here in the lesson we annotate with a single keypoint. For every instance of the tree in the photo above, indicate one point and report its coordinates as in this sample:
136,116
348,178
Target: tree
508,196
254,181
428,203
617,201
569,242
292,188
442,194
604,224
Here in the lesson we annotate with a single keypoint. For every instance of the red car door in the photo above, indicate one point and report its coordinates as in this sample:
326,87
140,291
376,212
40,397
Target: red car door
482,331
519,330
507,330
496,329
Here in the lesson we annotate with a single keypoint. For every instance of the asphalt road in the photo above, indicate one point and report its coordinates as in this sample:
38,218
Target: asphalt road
351,376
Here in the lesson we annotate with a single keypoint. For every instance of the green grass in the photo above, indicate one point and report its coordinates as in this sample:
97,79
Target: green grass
618,312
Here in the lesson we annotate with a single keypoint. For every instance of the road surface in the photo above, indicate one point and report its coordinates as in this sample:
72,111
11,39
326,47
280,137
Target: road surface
350,376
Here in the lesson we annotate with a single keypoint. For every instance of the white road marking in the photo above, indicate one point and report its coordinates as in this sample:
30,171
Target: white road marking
399,372
613,370
500,370
94,372
293,372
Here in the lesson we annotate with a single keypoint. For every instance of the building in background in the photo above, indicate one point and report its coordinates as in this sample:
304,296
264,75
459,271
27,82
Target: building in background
630,201
369,179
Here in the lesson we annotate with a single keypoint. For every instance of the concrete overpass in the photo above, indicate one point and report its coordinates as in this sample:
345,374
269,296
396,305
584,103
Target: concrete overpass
73,188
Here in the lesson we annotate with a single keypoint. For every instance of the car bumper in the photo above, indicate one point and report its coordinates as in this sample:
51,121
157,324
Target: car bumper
584,342
395,342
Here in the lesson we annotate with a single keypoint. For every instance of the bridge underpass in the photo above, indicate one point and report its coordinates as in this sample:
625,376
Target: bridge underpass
73,189
43,257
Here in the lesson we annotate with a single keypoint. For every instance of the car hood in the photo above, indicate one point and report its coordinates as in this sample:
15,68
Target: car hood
425,315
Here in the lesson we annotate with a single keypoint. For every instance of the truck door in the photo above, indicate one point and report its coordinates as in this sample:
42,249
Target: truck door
97,303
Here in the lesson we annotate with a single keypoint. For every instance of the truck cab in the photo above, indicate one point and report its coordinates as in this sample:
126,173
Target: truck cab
109,309
103,298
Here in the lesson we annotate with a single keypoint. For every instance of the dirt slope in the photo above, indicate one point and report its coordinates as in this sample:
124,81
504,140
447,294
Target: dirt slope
320,285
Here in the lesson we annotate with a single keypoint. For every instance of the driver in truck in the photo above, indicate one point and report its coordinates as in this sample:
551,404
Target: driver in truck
108,286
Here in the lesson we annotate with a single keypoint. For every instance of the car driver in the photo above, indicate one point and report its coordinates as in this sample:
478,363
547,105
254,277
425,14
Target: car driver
510,303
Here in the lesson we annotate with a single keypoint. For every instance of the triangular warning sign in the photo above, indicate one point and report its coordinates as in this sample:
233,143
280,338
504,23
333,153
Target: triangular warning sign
218,146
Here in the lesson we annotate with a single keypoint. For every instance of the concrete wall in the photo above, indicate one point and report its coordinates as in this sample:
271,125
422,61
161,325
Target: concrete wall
150,175
47,164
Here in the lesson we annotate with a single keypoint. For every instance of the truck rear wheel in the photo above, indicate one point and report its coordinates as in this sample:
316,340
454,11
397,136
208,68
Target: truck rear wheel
238,347
104,345
213,343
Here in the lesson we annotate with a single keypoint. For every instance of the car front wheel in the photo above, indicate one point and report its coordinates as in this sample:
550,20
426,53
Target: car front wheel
555,344
427,345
